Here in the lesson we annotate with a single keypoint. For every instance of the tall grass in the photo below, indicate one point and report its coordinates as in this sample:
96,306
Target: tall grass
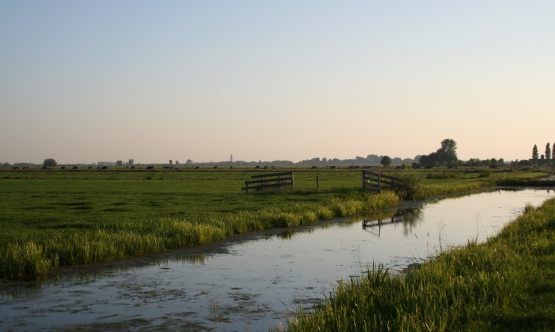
506,283
38,252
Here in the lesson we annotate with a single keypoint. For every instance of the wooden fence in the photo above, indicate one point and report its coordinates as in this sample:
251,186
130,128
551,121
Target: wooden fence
270,181
377,181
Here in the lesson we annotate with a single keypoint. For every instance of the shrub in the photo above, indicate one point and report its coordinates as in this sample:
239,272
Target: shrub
411,186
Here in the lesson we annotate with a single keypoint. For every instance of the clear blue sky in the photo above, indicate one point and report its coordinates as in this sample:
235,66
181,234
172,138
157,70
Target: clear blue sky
84,81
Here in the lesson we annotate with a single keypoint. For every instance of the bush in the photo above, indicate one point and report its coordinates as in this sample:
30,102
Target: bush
411,186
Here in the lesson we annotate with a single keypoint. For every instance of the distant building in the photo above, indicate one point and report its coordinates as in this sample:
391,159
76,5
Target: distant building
231,158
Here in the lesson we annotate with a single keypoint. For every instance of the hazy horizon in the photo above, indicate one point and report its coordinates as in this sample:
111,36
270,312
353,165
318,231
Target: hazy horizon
100,80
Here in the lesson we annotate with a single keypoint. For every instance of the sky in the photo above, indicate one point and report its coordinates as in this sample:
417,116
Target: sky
88,81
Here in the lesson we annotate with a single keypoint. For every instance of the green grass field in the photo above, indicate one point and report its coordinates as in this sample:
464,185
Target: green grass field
58,217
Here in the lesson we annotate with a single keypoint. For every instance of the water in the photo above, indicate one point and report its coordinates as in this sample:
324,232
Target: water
254,283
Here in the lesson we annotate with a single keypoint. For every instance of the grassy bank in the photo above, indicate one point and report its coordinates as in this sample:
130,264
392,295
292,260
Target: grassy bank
56,218
505,284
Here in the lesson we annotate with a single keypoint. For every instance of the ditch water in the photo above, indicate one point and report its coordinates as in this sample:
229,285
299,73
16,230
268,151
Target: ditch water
258,280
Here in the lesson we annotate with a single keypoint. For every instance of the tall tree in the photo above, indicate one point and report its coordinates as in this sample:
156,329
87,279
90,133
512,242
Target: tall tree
548,153
448,150
535,154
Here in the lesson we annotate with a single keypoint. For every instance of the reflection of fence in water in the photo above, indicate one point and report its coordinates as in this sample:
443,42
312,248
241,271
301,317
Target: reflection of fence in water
410,218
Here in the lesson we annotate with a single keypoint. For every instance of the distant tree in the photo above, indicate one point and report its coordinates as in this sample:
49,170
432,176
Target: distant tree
177,162
189,161
429,160
397,161
548,154
436,163
386,161
501,162
170,162
493,162
49,162
535,154
446,153
119,163
448,150
373,159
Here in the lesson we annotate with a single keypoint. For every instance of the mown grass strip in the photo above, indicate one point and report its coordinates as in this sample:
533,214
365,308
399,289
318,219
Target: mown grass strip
507,283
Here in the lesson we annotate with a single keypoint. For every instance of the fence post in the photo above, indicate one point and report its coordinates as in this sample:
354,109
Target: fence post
292,180
246,187
363,180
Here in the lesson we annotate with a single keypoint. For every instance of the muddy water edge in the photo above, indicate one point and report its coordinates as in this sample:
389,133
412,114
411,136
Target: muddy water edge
253,281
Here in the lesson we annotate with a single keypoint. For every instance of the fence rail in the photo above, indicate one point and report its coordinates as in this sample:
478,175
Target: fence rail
377,181
270,181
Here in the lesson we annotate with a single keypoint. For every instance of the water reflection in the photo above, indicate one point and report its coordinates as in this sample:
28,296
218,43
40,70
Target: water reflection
289,234
201,259
410,219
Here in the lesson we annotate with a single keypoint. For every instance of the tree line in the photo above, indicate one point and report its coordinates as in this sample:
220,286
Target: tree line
546,159
445,155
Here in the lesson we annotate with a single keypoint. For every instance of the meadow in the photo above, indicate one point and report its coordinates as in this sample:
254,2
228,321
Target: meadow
56,217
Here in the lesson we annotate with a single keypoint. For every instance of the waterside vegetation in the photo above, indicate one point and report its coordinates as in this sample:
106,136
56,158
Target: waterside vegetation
504,284
53,218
